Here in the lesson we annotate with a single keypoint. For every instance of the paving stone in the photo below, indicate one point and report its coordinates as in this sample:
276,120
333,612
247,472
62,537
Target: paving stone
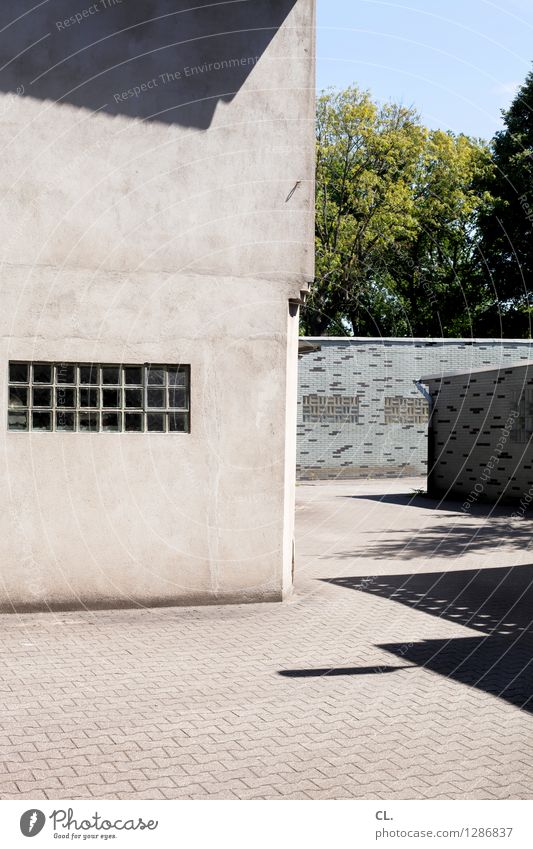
233,702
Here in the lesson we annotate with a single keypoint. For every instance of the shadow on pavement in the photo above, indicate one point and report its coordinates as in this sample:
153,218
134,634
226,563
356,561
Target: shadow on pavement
411,499
341,670
496,602
445,539
501,666
418,498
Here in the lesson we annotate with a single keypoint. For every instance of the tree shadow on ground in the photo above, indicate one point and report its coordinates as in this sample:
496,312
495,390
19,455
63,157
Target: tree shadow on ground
447,538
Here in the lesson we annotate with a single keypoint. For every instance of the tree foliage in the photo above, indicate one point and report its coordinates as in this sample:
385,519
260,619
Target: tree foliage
397,210
506,228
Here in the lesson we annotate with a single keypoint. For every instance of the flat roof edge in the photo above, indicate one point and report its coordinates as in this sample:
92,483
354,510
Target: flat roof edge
408,339
483,369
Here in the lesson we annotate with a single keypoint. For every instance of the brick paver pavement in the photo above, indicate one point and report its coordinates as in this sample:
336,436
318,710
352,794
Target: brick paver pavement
398,671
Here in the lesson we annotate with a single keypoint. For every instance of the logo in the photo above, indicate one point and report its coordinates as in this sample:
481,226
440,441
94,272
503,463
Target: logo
32,822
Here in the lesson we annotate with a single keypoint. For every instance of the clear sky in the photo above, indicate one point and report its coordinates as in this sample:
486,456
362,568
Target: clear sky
458,61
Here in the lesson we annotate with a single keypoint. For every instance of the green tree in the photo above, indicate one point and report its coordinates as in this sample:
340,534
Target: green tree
396,210
507,228
439,271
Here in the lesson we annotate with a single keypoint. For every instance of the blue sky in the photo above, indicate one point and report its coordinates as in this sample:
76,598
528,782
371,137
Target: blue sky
458,62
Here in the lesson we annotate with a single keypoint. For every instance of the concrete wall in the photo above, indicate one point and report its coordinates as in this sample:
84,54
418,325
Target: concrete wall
359,412
480,438
154,214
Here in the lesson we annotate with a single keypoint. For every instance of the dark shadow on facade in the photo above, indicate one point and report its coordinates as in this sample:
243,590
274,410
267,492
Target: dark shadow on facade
496,602
164,60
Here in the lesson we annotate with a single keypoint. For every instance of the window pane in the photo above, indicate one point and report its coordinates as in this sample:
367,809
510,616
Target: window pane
177,376
111,374
18,396
42,373
156,376
177,398
17,421
155,421
89,374
65,373
65,396
42,397
134,421
65,421
133,375
134,398
178,422
111,397
88,397
88,421
41,421
111,421
18,372
156,397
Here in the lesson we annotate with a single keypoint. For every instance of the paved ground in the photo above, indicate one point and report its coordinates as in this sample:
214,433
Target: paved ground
399,671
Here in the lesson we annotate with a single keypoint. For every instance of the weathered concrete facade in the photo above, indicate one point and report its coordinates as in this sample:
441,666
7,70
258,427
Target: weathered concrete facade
480,435
157,207
359,411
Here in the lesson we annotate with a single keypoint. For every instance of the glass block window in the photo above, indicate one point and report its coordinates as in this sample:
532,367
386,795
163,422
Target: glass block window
91,397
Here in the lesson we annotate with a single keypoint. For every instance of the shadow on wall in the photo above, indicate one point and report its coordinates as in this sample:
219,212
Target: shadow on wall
164,60
496,602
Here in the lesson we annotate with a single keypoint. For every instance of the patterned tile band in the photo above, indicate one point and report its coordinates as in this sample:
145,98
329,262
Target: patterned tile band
359,412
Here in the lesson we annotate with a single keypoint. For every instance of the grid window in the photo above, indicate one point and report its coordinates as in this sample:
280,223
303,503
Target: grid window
90,398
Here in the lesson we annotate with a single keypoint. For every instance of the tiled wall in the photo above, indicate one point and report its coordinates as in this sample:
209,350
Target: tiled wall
359,412
480,436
